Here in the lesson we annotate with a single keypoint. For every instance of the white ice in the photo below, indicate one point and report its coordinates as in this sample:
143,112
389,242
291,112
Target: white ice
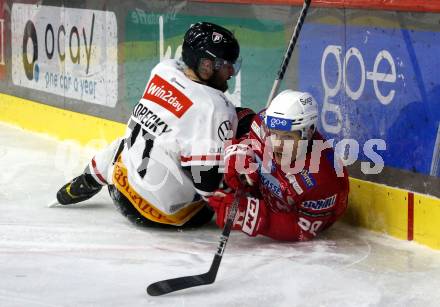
90,255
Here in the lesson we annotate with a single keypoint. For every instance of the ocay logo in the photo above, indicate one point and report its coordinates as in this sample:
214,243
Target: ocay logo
56,39
65,51
2,43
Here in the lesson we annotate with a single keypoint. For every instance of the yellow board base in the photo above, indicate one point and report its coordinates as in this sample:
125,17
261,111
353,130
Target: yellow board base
396,212
378,207
56,122
426,220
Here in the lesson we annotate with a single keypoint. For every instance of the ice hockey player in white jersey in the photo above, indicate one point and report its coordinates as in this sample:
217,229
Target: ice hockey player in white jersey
168,160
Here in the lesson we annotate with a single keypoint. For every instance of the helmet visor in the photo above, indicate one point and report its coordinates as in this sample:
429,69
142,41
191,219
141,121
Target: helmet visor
237,66
219,63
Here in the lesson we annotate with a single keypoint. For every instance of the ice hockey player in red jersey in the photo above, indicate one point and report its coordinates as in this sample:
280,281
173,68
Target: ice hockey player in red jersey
168,160
296,188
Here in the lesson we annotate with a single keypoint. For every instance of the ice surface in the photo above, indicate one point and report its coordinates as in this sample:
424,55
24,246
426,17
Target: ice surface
89,255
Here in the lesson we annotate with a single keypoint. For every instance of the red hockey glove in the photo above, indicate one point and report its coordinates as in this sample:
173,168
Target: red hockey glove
250,214
240,166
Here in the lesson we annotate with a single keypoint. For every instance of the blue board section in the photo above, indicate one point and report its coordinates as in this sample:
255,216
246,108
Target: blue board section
376,83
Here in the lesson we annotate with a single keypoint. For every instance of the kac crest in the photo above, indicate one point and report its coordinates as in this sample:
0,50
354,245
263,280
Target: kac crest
217,37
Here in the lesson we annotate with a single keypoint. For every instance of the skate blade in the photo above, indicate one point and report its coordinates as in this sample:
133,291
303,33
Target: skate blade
53,204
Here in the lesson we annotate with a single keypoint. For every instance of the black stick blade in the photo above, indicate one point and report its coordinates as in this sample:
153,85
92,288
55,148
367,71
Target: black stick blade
180,283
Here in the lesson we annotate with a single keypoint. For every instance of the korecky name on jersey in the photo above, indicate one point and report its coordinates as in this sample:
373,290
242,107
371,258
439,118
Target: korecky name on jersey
320,204
150,121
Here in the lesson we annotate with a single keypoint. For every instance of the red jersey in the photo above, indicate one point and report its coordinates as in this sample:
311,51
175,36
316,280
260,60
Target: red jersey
298,205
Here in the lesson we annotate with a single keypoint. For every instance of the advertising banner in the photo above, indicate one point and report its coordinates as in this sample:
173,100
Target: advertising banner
65,51
152,37
401,5
377,83
3,39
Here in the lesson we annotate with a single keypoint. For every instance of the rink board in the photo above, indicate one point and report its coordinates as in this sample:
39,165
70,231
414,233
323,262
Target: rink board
57,122
396,212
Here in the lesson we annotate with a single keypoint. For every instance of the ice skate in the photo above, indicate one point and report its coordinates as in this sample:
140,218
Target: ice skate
79,189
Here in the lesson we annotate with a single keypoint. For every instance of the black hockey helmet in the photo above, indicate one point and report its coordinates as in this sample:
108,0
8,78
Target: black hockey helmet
208,40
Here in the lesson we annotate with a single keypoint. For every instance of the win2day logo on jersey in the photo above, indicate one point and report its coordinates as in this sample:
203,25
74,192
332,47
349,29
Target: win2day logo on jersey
167,96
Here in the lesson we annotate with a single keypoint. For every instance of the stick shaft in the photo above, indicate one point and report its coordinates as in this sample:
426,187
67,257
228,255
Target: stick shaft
289,51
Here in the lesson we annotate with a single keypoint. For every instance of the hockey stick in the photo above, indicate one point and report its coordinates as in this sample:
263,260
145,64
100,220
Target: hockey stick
180,283
175,284
288,53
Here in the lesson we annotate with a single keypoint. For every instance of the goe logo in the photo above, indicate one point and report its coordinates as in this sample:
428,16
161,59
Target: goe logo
343,82
279,123
54,42
276,121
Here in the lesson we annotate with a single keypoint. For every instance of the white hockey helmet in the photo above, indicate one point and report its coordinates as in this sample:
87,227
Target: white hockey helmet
293,111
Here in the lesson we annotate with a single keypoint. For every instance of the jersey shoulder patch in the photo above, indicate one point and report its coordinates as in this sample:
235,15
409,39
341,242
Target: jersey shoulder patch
256,126
294,182
308,179
256,129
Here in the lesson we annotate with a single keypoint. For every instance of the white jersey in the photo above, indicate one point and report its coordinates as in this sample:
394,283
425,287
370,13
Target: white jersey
176,123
